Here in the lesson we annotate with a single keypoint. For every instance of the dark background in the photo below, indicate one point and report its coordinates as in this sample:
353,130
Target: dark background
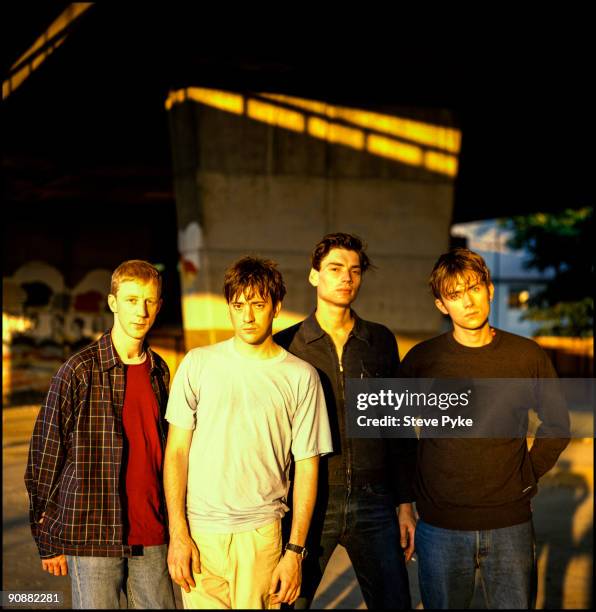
86,136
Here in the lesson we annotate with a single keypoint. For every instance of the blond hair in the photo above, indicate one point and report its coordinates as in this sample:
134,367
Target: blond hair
135,269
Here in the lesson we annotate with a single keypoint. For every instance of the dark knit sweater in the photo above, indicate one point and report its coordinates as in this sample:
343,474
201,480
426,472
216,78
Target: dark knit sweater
473,484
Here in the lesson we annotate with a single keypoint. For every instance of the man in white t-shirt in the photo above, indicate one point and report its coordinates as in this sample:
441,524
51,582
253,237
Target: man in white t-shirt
239,411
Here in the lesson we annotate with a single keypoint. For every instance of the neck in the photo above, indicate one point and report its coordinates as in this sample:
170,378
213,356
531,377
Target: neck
334,318
129,349
264,350
474,337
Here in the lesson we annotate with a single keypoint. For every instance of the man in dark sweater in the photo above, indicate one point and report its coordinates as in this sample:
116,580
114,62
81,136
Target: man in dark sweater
363,482
473,495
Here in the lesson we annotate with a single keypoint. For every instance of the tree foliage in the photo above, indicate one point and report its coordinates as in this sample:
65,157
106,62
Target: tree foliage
563,242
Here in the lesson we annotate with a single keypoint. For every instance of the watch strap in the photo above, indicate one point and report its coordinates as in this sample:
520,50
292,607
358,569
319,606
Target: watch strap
299,550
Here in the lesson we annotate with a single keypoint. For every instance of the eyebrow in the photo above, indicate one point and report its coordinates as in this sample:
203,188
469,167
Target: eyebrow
147,298
249,302
336,263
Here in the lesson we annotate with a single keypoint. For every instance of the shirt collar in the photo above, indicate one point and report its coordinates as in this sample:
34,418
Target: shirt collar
311,330
108,356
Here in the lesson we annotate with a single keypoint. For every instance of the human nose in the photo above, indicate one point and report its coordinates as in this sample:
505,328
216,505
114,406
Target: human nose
346,276
247,314
467,299
141,309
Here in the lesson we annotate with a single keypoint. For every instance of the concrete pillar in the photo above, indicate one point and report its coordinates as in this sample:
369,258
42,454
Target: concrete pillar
271,176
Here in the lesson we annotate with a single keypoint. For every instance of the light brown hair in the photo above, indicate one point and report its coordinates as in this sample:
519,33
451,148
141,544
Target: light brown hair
456,265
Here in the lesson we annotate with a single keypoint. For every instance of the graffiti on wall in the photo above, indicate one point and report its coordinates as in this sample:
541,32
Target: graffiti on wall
44,322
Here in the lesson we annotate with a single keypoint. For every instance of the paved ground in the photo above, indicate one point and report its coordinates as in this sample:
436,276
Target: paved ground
563,513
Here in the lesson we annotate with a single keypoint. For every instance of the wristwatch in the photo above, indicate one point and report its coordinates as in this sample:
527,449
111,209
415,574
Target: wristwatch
299,550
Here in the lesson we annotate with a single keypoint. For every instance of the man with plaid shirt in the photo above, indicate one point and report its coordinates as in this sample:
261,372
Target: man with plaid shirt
94,473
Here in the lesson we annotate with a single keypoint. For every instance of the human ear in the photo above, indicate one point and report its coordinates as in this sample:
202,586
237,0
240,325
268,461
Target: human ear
112,303
439,304
276,309
313,277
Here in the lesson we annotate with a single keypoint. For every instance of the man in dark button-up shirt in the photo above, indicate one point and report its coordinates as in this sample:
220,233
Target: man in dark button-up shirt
364,480
97,444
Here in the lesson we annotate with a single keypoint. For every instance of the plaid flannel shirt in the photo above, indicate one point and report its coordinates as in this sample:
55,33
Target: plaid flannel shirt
75,455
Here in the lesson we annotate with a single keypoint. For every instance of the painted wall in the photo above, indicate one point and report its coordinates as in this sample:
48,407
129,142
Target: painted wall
56,277
43,322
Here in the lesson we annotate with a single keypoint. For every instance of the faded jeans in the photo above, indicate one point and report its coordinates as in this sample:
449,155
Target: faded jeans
448,560
97,581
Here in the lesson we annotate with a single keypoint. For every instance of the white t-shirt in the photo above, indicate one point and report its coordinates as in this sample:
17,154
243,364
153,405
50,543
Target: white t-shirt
249,416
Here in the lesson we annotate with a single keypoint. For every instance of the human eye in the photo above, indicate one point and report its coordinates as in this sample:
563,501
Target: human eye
259,306
454,295
237,306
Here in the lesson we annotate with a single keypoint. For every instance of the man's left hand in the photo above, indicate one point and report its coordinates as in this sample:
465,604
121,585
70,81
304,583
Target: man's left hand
407,527
286,579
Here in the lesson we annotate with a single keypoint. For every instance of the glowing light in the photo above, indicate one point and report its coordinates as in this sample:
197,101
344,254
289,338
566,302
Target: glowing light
313,106
57,27
333,132
224,100
374,137
175,97
13,324
275,115
448,139
439,162
524,296
439,137
387,147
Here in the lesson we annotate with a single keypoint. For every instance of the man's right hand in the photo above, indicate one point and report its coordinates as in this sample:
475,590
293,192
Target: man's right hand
181,552
56,565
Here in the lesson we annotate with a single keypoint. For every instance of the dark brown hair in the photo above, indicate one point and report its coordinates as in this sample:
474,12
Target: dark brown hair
135,269
256,275
456,265
340,240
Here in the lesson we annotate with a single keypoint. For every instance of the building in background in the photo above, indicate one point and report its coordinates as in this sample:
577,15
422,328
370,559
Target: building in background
514,283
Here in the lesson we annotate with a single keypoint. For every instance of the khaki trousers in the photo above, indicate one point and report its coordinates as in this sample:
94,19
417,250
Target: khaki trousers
236,569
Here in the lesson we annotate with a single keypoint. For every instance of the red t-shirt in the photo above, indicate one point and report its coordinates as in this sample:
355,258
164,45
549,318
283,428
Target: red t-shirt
142,460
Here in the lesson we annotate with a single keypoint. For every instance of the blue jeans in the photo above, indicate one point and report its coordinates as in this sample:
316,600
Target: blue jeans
365,522
97,581
448,560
